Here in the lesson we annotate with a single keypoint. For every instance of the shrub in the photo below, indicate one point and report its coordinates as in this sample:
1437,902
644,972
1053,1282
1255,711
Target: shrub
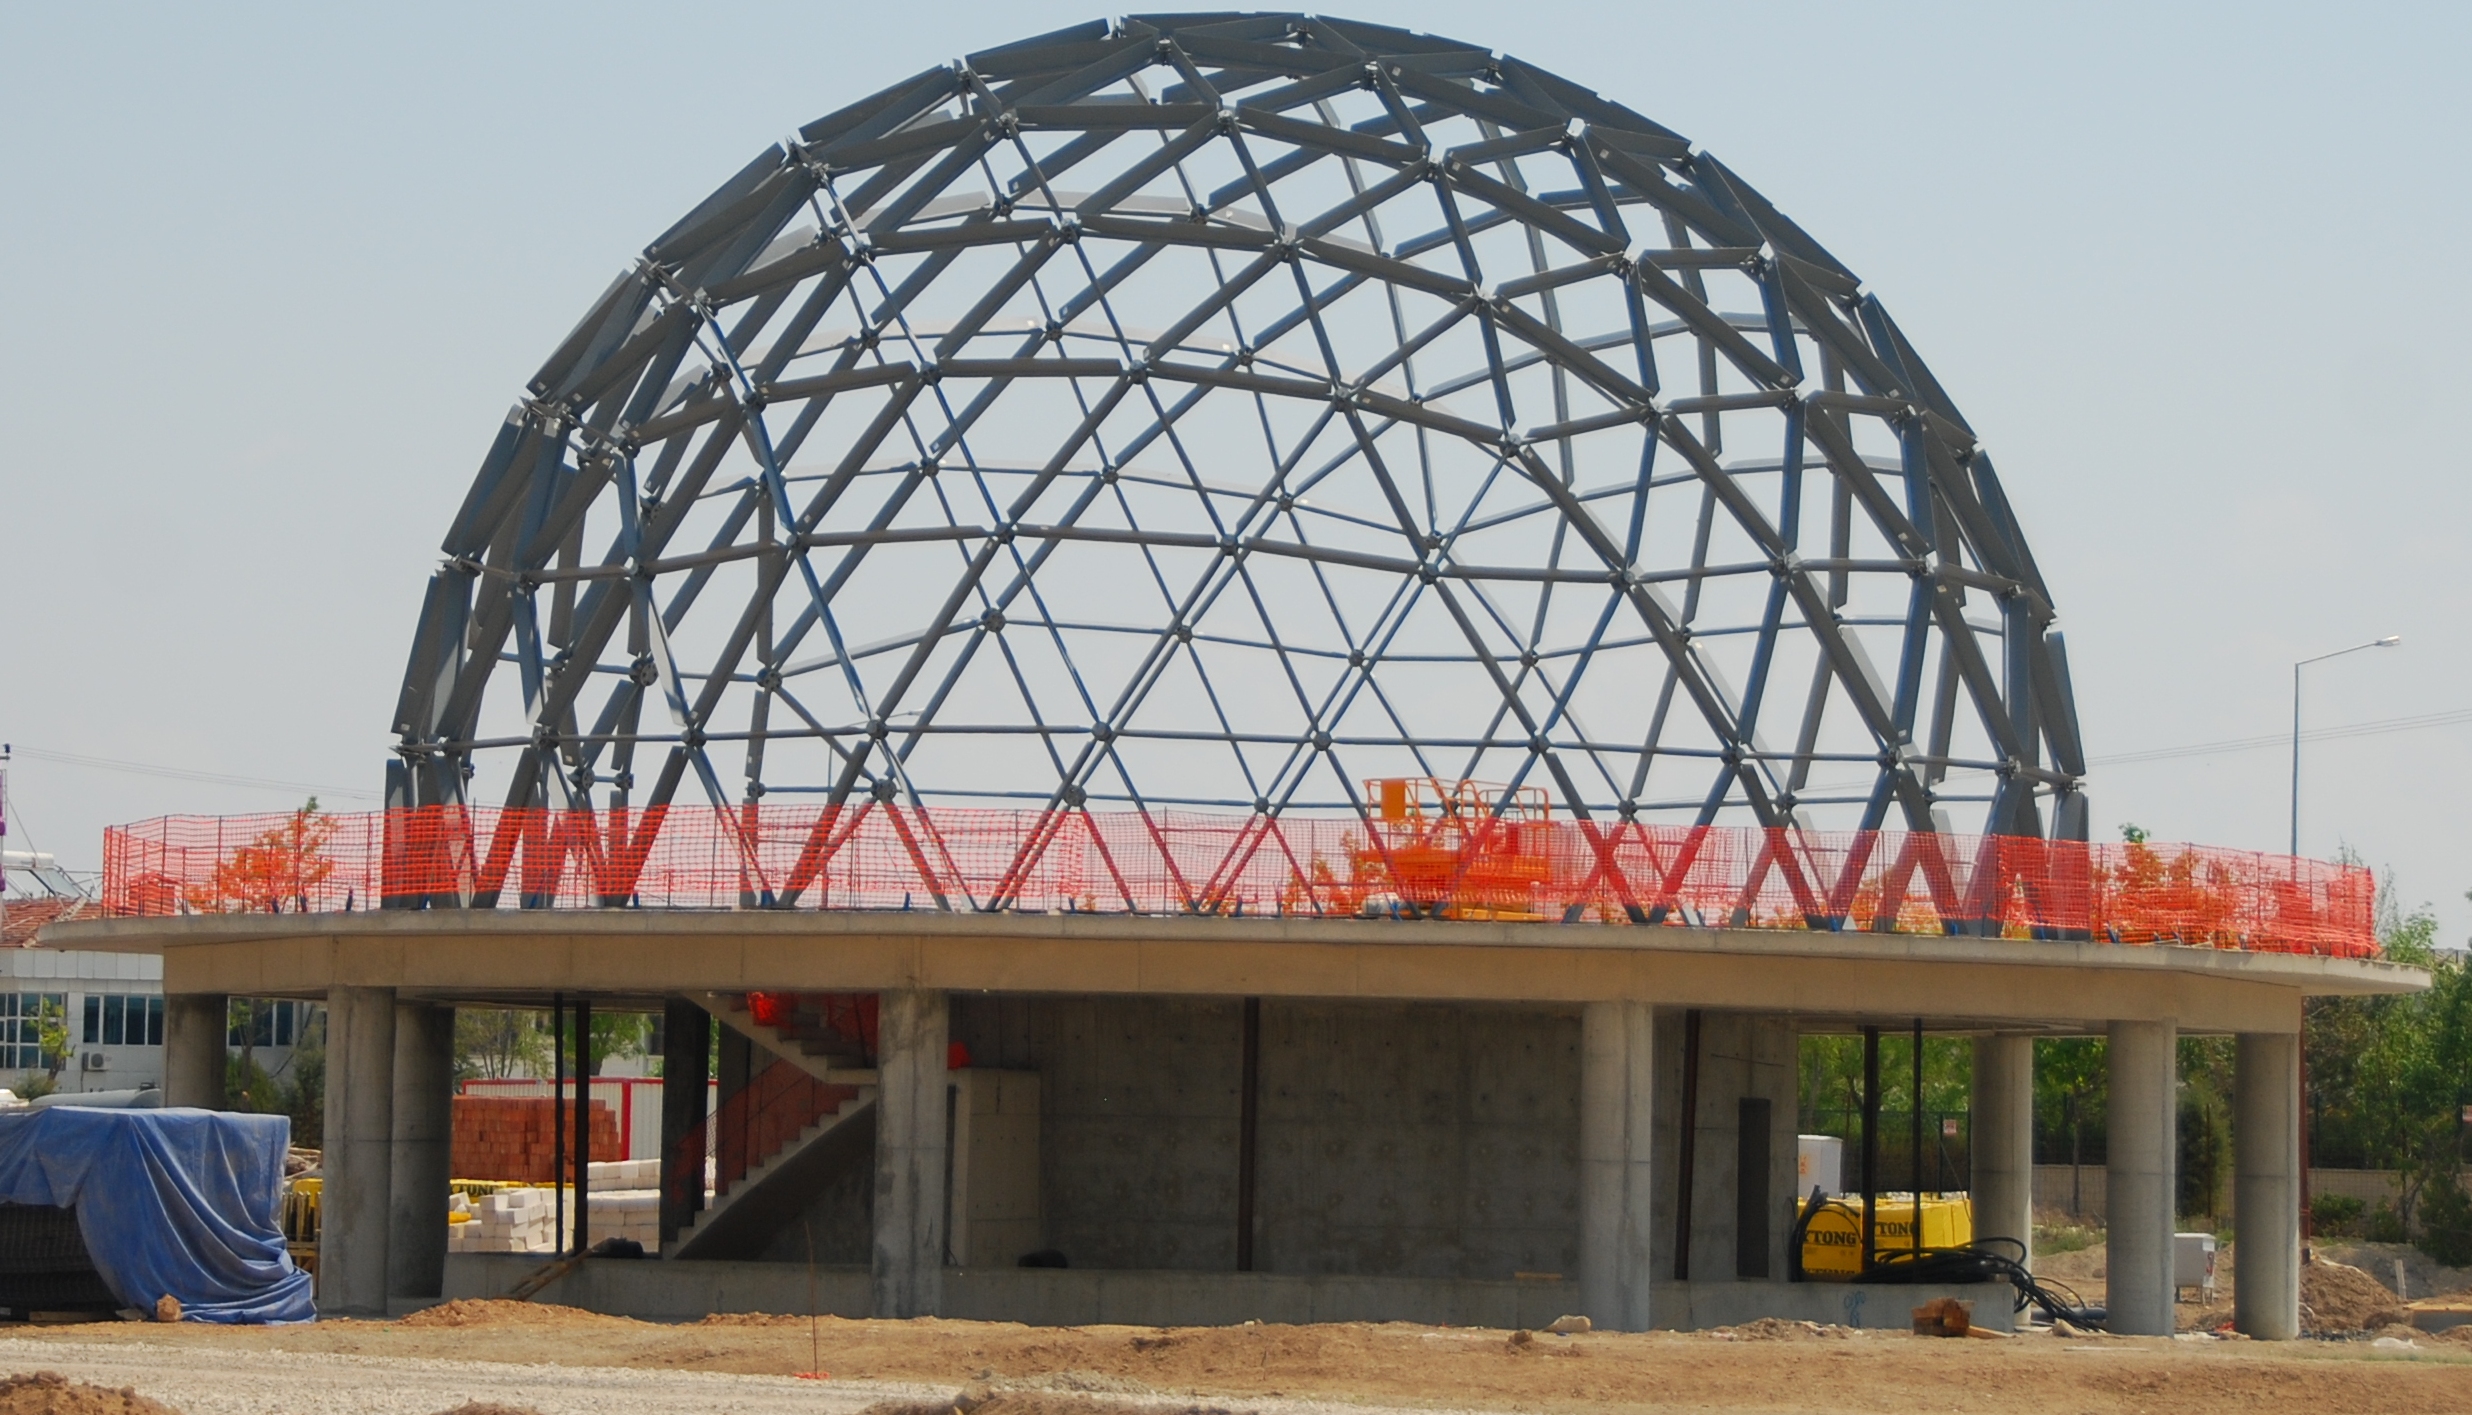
2384,1224
2336,1215
2446,1221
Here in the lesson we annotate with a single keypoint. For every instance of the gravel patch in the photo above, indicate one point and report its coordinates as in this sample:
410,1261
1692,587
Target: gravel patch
197,1382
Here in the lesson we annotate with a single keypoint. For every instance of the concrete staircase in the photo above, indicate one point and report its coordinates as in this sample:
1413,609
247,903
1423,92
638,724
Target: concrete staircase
813,1048
742,1219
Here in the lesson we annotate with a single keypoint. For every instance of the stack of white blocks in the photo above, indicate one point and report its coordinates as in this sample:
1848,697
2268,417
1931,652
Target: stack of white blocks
509,1221
625,1199
626,1174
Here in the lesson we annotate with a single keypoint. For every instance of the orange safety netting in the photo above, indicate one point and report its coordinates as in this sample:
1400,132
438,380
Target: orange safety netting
1445,864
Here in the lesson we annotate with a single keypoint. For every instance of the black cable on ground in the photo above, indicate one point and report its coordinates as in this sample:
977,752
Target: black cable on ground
1989,1260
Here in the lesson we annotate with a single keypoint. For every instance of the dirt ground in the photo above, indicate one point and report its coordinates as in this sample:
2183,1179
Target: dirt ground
1784,1368
2336,1298
49,1393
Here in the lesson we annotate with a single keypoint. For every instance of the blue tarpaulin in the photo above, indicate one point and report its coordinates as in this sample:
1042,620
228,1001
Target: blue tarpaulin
177,1202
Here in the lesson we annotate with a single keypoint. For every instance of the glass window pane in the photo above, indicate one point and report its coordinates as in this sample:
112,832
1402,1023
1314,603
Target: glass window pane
112,1011
154,1021
94,1019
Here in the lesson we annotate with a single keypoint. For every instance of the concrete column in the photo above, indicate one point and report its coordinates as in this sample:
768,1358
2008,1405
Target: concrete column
196,1029
2003,1180
360,1132
686,1065
911,1028
1617,1115
2144,1133
423,1160
2266,1184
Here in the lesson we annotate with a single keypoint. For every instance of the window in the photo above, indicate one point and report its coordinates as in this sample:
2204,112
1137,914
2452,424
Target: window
271,1022
124,1019
21,1037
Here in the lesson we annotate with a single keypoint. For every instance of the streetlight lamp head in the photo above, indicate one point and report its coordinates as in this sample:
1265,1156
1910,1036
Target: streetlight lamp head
2390,641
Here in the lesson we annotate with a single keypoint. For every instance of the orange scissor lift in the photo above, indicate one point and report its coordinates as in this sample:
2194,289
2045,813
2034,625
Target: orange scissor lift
1442,850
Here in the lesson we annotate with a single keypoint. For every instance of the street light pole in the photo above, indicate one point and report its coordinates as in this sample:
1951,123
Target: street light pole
2307,1223
2386,643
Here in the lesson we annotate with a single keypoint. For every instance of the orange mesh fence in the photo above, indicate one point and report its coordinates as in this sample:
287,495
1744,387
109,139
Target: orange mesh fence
877,856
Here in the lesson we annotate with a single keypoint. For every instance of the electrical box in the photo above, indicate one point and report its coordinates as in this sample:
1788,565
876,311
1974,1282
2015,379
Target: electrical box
2193,1264
1820,1160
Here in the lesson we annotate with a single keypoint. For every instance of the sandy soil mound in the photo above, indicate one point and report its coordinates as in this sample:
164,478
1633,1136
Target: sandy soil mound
491,1312
2336,1297
1779,1329
2423,1275
45,1393
2078,1264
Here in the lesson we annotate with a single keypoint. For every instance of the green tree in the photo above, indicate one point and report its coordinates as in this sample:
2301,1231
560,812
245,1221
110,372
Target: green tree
51,1033
304,1098
2205,1123
2389,1076
494,1044
2071,1091
614,1035
1831,1093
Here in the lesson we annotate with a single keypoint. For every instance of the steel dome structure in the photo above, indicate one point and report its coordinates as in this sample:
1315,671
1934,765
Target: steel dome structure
1222,411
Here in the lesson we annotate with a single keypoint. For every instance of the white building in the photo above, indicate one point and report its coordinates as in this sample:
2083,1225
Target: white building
112,1006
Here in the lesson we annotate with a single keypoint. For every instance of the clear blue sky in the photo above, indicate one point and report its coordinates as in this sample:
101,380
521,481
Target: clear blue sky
2193,271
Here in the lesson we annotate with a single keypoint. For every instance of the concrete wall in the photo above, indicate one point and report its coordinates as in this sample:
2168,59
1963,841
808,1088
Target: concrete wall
1408,1141
992,1210
2051,1188
1742,1055
839,1221
1138,1158
1396,1140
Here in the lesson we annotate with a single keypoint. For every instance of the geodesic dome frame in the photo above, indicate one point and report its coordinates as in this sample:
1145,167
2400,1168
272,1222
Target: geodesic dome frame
1222,412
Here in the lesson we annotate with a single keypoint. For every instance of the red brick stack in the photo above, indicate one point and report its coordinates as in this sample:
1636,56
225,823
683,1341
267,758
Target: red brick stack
509,1138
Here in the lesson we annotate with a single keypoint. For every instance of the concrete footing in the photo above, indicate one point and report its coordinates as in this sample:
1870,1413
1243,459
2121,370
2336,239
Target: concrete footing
2142,1175
2266,1183
424,1131
356,1209
1617,1118
195,1028
2003,1149
912,1030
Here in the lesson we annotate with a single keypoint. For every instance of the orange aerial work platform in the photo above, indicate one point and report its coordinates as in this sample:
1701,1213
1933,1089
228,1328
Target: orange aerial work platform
1456,849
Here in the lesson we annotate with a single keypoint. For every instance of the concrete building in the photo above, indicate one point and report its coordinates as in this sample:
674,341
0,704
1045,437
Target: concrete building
1222,1119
